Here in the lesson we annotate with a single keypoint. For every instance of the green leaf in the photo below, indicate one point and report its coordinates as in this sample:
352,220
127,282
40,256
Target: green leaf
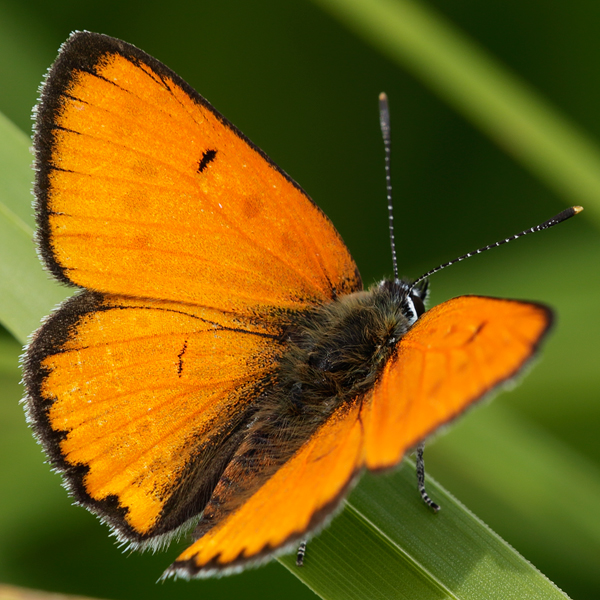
388,544
27,292
488,446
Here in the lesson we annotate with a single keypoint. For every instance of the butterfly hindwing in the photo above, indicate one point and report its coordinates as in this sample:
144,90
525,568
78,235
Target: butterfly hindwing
297,498
141,404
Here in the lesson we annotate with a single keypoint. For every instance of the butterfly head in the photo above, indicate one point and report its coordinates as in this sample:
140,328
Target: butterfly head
408,297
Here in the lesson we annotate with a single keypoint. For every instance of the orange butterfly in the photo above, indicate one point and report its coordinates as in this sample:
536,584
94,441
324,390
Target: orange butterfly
221,365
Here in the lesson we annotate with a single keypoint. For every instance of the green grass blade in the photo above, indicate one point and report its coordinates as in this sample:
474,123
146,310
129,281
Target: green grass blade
388,544
26,290
476,85
556,484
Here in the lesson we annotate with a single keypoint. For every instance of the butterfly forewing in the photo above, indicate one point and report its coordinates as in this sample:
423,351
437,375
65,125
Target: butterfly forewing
455,354
145,190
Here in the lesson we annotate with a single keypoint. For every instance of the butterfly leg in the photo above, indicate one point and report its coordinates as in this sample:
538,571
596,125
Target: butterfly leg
421,480
300,554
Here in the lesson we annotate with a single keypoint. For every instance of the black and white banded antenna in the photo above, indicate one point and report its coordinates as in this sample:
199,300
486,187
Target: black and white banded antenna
384,121
559,218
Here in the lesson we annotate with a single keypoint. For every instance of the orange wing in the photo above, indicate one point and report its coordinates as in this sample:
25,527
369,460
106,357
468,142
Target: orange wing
297,499
196,246
141,405
144,189
455,354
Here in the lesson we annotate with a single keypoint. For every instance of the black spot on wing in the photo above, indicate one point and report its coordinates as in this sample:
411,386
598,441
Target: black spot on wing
206,159
180,357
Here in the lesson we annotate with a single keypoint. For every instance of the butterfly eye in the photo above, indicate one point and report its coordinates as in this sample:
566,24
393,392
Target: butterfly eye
413,307
418,304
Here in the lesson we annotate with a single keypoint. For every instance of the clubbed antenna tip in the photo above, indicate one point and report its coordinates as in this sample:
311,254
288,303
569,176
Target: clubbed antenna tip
555,220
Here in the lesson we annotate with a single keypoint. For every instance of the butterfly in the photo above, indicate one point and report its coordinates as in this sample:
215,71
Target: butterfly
220,366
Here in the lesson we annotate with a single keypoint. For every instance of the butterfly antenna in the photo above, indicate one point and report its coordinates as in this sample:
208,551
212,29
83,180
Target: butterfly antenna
384,120
559,218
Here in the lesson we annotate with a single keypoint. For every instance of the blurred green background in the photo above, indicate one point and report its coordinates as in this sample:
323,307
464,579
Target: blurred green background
304,88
